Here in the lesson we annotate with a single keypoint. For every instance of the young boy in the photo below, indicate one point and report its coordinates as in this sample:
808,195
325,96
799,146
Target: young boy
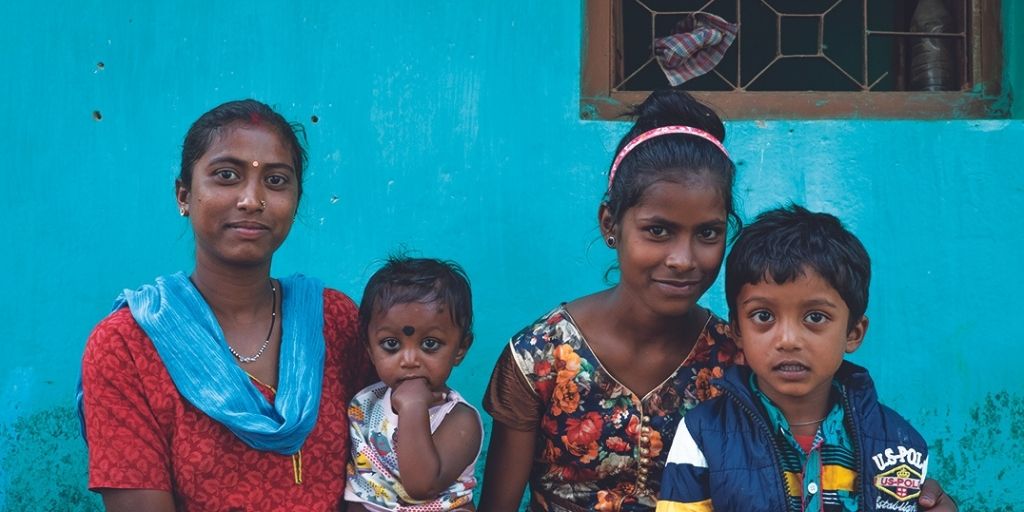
799,429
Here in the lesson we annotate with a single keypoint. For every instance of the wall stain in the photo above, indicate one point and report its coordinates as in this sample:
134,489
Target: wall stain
45,463
981,464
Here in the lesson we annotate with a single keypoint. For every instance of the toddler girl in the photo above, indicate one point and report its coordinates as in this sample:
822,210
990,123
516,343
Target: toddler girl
414,441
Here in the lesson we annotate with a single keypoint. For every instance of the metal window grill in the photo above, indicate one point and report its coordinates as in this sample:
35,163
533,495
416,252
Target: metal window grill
806,45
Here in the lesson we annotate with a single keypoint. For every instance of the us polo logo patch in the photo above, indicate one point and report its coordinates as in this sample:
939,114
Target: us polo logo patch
901,482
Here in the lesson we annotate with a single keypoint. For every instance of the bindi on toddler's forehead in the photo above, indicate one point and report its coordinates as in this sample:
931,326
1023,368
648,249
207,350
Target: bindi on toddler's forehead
408,330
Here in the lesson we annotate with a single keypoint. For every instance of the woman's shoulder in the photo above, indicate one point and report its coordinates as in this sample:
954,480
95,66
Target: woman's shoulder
337,300
120,317
340,312
540,346
116,329
716,346
553,328
719,329
119,345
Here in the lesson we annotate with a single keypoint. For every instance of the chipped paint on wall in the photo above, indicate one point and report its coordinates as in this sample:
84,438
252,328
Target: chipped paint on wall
44,463
981,454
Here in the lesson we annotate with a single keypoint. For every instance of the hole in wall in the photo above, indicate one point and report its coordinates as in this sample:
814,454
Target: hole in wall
100,65
97,115
315,119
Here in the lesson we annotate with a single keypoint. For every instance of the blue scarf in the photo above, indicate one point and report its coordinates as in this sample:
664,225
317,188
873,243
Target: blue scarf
192,347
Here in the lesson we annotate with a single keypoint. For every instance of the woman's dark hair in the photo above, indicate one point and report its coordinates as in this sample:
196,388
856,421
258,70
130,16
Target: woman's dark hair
403,280
782,244
675,157
250,112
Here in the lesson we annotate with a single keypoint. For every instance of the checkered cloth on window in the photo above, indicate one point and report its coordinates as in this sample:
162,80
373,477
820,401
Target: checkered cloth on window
697,47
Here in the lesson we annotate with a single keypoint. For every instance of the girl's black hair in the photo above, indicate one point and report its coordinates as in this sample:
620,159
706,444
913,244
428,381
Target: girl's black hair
250,112
677,157
782,244
403,280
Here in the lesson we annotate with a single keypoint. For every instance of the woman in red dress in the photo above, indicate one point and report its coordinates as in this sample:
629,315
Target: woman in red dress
225,388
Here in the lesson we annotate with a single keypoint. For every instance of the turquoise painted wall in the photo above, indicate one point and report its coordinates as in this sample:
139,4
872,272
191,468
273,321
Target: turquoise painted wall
452,129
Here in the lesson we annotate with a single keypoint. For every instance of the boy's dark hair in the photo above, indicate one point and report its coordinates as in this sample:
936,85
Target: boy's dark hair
245,112
678,157
783,242
403,280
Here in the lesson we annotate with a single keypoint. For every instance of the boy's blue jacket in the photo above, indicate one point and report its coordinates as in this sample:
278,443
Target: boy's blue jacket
723,452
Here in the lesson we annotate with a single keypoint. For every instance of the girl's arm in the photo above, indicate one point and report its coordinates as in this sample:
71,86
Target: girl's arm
509,461
130,500
430,463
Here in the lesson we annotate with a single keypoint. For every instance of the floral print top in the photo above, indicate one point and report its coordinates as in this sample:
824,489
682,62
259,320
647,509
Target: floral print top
600,446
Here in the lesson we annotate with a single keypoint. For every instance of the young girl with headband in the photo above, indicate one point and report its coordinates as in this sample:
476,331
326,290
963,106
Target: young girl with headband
586,399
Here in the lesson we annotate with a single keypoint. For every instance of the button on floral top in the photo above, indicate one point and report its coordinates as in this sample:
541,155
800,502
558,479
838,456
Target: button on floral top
600,446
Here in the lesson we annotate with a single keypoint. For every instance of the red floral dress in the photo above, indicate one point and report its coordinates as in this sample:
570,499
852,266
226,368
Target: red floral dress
143,435
600,446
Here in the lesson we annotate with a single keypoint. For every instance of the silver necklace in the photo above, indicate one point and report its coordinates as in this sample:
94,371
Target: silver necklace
805,423
273,319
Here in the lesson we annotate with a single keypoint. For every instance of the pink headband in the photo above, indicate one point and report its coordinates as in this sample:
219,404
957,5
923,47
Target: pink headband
658,132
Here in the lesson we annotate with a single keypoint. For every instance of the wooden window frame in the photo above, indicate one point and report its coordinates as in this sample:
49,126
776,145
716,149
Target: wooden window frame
598,100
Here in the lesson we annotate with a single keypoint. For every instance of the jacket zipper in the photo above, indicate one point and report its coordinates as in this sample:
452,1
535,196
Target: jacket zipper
786,491
851,419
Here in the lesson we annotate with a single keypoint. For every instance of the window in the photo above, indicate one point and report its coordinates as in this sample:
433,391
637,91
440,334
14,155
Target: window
806,58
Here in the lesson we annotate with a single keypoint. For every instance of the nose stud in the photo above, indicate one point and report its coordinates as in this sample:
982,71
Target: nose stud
263,205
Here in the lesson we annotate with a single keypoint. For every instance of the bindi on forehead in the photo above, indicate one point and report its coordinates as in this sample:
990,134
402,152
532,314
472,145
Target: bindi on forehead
408,330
